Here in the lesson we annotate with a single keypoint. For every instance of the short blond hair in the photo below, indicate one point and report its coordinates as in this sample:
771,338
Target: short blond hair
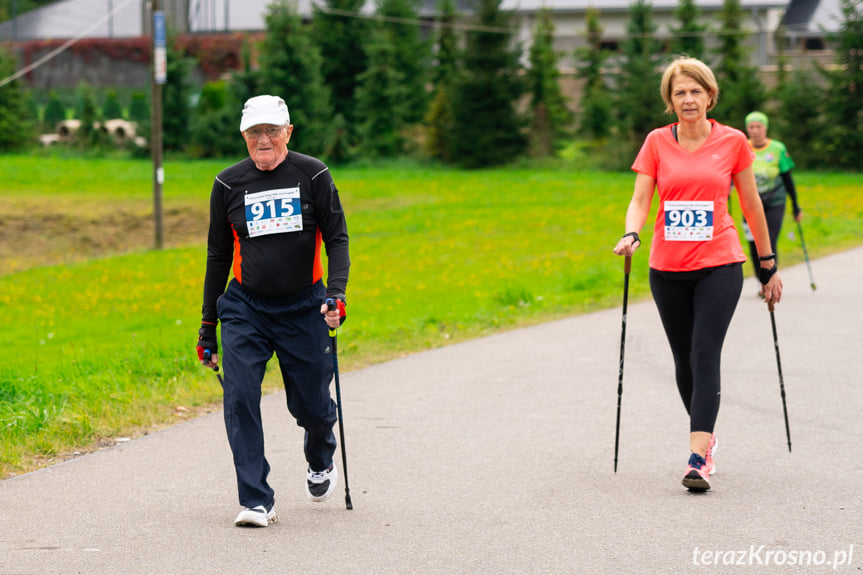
695,69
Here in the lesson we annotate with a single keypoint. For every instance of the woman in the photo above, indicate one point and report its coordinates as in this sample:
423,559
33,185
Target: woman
772,168
696,261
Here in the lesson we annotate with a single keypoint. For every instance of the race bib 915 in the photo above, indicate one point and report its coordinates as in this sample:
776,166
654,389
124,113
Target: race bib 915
274,212
688,221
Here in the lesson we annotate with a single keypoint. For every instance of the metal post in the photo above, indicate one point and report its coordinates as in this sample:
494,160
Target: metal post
159,78
110,18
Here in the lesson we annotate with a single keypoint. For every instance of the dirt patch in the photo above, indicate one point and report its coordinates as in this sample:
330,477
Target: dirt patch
51,238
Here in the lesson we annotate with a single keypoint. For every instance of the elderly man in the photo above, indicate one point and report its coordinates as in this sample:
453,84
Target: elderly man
268,216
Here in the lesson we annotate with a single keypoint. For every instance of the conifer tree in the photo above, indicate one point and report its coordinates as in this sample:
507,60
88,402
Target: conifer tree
639,104
176,99
411,53
796,117
55,112
382,96
439,117
740,89
245,81
487,128
798,122
596,101
341,40
89,136
139,107
342,148
550,116
215,129
447,54
781,40
439,120
688,37
290,66
17,126
112,109
842,142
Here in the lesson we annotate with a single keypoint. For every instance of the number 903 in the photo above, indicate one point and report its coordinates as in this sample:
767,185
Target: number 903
686,218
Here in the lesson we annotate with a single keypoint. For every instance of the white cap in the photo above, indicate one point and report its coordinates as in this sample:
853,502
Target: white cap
264,110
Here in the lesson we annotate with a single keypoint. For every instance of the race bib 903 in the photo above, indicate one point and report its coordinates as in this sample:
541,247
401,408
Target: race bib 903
688,221
274,212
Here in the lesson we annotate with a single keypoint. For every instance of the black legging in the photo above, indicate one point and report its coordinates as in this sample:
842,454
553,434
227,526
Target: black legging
696,309
774,215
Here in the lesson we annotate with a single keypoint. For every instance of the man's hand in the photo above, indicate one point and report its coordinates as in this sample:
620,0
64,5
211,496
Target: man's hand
207,341
335,316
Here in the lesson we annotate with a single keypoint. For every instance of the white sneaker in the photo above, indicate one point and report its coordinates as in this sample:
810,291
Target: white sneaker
321,484
258,516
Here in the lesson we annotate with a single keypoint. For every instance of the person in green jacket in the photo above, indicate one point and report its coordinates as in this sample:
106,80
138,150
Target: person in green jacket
772,167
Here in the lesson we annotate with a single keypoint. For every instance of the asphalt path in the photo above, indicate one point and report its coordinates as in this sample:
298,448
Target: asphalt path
496,456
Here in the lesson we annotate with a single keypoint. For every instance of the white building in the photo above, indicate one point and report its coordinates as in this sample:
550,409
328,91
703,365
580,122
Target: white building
806,20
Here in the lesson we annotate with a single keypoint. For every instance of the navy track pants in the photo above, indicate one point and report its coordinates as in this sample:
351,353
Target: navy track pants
252,330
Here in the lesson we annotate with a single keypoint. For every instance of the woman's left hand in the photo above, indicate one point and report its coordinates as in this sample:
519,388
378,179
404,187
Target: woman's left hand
773,289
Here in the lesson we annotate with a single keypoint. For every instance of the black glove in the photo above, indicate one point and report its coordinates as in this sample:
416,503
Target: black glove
207,340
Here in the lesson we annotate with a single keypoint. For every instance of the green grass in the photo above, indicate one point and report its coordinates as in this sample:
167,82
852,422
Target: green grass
57,173
104,347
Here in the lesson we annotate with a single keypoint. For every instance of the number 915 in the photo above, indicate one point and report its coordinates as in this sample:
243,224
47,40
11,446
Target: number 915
260,209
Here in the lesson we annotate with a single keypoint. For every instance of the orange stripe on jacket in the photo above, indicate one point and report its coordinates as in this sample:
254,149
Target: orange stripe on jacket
318,267
238,257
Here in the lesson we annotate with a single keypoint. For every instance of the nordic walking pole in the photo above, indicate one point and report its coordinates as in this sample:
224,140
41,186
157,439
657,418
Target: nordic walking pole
626,268
331,305
806,256
781,382
207,356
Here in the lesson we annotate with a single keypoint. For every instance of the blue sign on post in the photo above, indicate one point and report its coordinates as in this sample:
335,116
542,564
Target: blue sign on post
160,53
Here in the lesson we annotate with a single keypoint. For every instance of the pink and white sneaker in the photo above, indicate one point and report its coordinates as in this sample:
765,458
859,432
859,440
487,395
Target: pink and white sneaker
697,477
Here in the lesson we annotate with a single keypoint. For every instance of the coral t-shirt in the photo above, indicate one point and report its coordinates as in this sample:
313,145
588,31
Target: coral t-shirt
693,229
